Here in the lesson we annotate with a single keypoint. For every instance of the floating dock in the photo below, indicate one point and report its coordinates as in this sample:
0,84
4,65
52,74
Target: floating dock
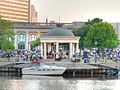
73,69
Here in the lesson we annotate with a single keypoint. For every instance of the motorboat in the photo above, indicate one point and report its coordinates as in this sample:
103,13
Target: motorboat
43,69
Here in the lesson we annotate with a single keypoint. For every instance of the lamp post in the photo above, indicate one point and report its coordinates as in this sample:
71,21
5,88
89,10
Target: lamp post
96,44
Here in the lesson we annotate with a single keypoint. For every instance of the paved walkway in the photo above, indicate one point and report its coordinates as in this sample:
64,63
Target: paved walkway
68,64
109,63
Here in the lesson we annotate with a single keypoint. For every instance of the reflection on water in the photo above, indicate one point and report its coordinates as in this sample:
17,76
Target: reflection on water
27,82
33,77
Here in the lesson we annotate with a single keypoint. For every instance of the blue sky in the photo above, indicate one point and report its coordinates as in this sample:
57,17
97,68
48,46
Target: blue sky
77,10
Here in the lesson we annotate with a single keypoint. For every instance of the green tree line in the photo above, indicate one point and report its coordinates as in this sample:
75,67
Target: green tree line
6,35
97,34
36,43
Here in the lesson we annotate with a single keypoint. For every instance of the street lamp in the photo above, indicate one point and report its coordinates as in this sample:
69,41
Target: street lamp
96,43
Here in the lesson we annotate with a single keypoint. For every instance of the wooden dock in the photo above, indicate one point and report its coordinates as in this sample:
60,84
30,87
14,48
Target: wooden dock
77,69
8,67
73,69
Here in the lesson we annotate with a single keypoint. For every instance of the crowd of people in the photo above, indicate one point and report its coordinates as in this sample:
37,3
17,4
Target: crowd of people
23,55
86,55
94,54
29,55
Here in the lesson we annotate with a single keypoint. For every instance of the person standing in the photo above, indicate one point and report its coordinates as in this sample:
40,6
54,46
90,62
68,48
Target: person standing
95,57
85,56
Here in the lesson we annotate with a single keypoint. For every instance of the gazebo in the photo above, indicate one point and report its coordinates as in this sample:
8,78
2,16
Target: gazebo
58,36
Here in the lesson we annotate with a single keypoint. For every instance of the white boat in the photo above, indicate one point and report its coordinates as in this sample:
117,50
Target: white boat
43,69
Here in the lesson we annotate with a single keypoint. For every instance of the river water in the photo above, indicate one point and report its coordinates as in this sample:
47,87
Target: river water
27,82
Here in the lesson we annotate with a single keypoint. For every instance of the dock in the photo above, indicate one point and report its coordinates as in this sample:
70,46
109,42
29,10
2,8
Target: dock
73,68
77,69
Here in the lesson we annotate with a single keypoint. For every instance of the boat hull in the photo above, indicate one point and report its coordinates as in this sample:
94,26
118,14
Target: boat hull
43,71
35,72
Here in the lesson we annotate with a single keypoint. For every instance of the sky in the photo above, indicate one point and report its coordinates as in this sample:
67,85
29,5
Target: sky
77,10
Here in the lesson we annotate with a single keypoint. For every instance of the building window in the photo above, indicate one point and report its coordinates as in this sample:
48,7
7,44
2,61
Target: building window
21,38
32,37
21,41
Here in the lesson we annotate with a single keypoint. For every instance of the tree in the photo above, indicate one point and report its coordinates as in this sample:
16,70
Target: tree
36,43
101,35
95,20
6,35
83,30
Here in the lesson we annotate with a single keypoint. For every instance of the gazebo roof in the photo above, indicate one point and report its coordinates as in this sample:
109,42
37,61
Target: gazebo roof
59,31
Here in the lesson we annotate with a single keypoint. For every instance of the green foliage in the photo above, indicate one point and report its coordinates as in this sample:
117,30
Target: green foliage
36,43
6,35
103,34
83,30
96,33
95,20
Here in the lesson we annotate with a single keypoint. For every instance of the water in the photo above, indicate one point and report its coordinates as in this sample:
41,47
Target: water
26,82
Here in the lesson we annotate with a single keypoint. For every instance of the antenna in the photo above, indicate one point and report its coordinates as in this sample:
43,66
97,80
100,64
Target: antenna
59,19
47,20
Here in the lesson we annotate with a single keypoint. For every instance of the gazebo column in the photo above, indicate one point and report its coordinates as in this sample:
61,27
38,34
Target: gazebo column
73,47
77,48
45,56
57,49
41,49
70,53
49,47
